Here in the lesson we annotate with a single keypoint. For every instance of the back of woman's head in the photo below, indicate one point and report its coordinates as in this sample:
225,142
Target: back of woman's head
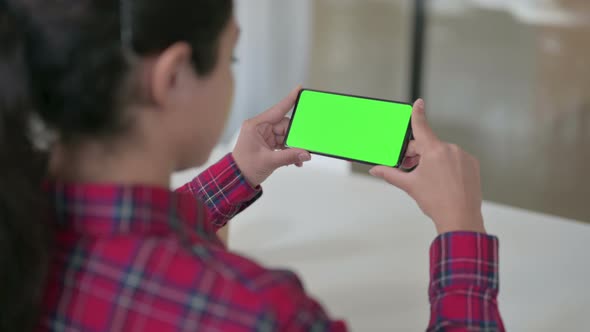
78,52
68,62
23,238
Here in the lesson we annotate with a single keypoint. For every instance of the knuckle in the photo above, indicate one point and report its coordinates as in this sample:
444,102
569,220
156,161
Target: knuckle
476,162
248,124
439,149
455,148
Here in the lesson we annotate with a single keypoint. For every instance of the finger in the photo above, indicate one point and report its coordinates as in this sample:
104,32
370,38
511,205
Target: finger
280,129
423,134
278,112
280,142
410,162
412,149
393,176
299,164
289,157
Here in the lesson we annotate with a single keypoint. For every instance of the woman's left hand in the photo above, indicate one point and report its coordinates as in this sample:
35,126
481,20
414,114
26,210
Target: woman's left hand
260,149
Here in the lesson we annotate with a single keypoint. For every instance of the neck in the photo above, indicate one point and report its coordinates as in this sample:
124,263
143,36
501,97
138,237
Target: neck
95,162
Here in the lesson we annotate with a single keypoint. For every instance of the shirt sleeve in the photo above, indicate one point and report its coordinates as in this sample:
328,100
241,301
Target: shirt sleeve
464,283
223,190
294,310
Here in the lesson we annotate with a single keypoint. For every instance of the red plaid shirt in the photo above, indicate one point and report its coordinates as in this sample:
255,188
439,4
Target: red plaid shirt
138,258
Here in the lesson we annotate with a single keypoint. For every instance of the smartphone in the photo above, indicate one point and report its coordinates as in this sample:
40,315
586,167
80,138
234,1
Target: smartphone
354,128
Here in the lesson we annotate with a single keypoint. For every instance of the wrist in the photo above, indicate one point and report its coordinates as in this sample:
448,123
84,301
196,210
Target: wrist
244,170
252,184
468,223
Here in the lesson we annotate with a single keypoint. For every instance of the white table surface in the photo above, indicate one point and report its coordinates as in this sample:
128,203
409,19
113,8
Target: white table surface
361,247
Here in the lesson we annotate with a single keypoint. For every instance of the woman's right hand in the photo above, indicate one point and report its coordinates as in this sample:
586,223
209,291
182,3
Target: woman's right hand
446,182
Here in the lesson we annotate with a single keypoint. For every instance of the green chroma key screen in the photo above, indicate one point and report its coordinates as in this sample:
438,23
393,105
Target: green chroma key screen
355,128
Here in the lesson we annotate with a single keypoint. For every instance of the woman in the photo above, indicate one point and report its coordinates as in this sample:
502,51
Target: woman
135,90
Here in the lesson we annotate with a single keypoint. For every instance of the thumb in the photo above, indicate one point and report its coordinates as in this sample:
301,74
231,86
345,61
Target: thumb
289,157
393,176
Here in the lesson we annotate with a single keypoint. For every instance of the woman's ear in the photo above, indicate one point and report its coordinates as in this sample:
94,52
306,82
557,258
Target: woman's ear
167,70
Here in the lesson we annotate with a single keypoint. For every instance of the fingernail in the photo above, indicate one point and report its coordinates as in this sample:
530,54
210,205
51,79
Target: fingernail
304,157
374,172
420,103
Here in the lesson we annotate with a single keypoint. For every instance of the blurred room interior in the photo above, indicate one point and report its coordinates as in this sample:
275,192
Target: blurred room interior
506,79
509,80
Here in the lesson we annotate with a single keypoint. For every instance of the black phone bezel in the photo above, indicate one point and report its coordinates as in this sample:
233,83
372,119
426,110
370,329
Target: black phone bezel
407,138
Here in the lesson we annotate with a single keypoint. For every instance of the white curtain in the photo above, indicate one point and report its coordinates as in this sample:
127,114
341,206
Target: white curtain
273,55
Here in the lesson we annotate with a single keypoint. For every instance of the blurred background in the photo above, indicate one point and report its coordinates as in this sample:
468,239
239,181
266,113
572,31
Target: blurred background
508,80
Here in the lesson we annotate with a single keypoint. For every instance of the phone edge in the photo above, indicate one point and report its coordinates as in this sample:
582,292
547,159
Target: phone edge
409,132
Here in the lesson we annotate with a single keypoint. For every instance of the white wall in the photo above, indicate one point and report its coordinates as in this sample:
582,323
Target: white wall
547,12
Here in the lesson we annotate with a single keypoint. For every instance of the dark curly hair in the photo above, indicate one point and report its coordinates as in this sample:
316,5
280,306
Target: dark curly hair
67,62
